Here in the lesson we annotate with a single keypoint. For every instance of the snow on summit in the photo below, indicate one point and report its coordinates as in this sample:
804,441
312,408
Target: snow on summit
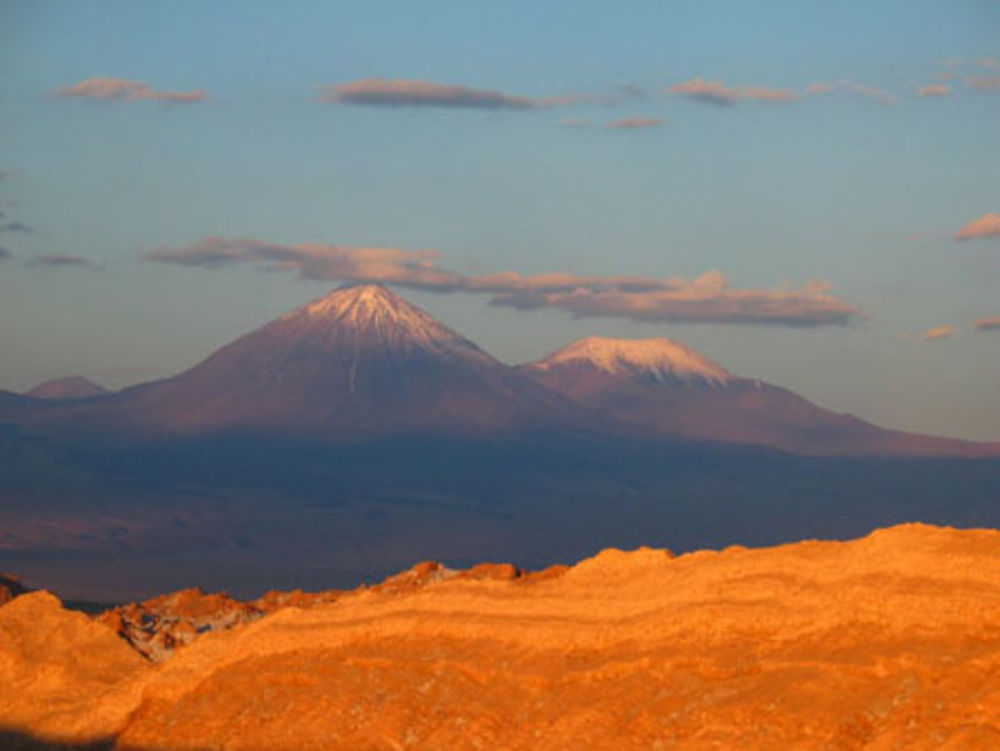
375,314
663,359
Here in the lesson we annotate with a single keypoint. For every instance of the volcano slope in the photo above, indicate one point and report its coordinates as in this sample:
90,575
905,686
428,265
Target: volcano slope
887,642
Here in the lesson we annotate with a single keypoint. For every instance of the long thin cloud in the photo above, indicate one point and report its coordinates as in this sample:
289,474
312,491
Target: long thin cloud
707,298
987,324
62,260
933,90
634,123
383,92
937,333
872,93
102,89
988,225
985,84
16,226
715,92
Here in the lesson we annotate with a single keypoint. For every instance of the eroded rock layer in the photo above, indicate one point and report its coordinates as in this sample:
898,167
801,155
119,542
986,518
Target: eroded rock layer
888,642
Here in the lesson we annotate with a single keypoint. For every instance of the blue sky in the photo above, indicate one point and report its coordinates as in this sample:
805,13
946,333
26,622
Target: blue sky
860,181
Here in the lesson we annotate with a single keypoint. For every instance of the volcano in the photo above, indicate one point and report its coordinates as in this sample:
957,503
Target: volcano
357,364
70,387
673,391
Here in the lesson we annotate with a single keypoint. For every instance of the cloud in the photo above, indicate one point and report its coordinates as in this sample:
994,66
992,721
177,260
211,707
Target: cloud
715,92
101,89
60,260
988,324
635,123
877,95
938,332
819,88
4,253
988,225
984,85
846,85
382,92
707,298
989,62
934,90
20,227
575,122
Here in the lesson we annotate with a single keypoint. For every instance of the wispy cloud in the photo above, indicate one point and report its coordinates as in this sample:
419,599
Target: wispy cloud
875,94
819,88
19,227
383,92
988,225
934,90
707,298
61,260
715,92
4,253
989,62
938,332
847,86
987,324
634,123
985,84
102,89
575,122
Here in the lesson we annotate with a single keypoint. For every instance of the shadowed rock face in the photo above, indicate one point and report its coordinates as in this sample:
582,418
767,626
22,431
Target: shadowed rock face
10,587
890,641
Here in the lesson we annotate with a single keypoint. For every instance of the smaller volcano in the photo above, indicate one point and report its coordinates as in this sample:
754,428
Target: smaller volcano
668,388
71,387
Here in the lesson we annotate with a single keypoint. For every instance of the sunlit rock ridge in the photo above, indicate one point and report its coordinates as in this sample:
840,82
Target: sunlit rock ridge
891,641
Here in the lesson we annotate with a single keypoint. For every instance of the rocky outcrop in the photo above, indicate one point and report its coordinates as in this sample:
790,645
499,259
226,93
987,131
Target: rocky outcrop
156,627
63,677
10,587
887,642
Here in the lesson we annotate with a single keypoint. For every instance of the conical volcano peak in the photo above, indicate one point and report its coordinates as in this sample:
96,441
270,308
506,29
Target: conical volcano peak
661,359
371,316
371,307
358,303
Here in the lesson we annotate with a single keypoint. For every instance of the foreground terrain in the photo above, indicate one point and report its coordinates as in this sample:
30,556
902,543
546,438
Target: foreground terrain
890,641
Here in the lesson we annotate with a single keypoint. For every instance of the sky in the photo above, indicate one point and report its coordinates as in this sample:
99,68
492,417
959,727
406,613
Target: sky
806,192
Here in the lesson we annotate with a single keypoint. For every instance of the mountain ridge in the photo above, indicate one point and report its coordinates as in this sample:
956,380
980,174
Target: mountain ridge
361,363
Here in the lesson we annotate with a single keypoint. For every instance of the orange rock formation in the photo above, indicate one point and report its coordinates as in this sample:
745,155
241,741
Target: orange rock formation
888,642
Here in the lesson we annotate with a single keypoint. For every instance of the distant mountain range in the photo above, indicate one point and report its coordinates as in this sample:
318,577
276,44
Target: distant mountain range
362,363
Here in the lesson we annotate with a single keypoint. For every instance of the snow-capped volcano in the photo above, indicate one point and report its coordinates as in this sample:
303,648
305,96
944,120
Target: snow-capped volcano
358,363
669,389
662,360
372,317
361,363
